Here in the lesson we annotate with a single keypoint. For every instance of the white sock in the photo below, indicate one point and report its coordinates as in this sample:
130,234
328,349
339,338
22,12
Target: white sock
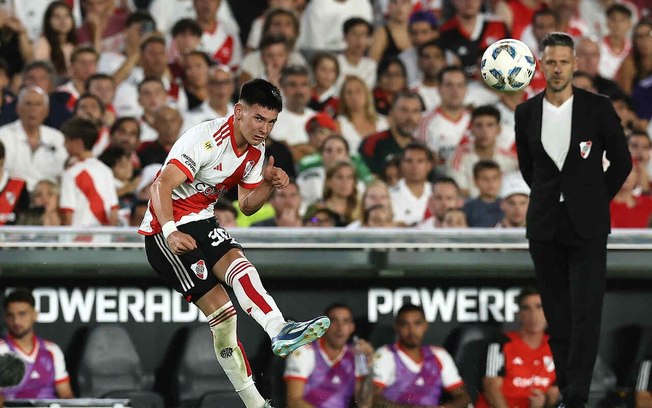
231,356
243,277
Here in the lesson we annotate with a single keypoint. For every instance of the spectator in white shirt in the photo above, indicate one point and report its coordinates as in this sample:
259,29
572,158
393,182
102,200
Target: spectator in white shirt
219,40
422,29
256,30
445,196
357,114
616,45
274,55
34,152
411,193
353,61
151,97
83,64
88,194
291,125
321,21
431,61
218,104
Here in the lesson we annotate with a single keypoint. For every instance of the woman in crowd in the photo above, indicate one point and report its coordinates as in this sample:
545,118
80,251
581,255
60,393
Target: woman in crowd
392,38
375,195
57,41
325,70
44,206
357,115
340,193
638,65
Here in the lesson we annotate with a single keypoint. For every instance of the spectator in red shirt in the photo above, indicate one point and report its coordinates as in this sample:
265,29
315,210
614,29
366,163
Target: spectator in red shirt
628,210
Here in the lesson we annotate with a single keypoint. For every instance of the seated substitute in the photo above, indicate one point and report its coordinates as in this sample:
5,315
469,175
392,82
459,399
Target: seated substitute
45,367
325,373
520,371
409,373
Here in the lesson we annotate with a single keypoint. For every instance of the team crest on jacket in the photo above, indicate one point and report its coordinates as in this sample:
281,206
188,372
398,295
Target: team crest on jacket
199,268
585,149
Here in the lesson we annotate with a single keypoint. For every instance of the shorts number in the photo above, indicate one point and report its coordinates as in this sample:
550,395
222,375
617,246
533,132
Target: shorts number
218,236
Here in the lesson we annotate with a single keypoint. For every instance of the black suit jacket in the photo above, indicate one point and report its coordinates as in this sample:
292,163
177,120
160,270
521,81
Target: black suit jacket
587,189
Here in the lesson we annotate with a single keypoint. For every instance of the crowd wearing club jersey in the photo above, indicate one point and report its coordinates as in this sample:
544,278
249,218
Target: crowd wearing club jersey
385,123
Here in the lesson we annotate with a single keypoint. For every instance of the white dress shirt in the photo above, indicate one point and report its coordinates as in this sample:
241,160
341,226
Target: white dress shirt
556,131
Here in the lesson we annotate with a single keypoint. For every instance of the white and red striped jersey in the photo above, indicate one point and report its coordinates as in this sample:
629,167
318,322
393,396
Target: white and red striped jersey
222,45
208,156
442,134
88,191
610,61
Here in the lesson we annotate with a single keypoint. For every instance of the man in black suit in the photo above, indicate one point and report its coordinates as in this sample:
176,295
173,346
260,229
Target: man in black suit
561,135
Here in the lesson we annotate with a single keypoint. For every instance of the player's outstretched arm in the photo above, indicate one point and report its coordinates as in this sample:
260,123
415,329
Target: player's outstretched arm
170,178
251,200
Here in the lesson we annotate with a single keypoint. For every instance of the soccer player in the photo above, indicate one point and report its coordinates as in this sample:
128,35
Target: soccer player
196,256
520,370
409,373
44,362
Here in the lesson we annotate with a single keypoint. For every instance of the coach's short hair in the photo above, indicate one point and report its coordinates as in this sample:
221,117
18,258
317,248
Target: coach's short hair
558,39
81,128
263,93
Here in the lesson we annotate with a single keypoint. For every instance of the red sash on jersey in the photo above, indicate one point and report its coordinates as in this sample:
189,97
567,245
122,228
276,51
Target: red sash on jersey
9,199
85,183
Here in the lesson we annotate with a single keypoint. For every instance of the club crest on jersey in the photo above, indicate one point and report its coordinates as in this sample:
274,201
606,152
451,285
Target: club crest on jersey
11,198
249,166
585,149
199,268
549,363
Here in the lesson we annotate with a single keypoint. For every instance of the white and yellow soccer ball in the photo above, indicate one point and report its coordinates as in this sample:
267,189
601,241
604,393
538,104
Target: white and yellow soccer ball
508,65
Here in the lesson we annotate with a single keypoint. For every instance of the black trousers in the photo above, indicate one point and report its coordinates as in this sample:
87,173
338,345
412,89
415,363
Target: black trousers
570,273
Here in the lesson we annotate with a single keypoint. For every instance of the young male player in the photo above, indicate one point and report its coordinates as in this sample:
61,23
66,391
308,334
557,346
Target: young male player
195,256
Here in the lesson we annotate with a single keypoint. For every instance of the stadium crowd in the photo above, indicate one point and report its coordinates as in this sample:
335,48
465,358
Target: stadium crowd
386,121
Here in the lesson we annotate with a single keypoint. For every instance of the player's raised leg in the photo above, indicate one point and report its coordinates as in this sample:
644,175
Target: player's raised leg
236,270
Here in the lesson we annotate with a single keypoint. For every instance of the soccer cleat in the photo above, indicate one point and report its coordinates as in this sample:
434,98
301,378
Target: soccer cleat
295,334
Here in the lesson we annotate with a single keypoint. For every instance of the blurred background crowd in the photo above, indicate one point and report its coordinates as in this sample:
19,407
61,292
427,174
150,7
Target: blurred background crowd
386,122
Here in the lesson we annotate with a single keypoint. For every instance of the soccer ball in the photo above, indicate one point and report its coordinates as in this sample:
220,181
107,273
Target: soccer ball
508,65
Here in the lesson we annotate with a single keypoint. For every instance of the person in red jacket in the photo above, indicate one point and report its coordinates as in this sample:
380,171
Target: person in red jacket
14,197
520,371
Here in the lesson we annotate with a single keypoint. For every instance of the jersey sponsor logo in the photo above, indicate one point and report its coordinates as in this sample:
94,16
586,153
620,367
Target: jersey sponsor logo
207,189
208,146
199,268
189,162
534,381
517,361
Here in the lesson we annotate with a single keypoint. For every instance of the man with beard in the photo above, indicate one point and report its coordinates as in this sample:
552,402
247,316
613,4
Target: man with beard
45,367
409,373
404,116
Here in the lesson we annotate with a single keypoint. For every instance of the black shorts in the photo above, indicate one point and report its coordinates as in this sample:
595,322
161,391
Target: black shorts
191,273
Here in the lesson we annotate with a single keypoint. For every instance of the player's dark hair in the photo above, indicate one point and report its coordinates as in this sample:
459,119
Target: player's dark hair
186,25
83,50
354,22
118,123
2,151
150,79
619,8
274,39
485,110
97,77
154,39
409,307
431,43
545,12
260,92
419,147
112,155
483,165
337,305
526,292
225,205
80,128
407,95
448,69
292,70
19,295
558,39
88,96
335,137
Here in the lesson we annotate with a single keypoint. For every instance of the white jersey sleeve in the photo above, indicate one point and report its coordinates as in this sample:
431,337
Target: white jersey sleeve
67,194
384,367
254,176
450,377
300,364
60,372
